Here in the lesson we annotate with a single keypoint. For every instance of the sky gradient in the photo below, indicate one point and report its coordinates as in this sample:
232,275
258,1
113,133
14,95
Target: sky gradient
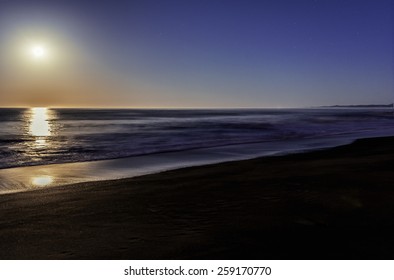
197,53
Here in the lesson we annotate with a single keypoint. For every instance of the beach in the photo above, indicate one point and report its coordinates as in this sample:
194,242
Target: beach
335,203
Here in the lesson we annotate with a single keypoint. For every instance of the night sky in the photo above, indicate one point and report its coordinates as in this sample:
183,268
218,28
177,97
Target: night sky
279,53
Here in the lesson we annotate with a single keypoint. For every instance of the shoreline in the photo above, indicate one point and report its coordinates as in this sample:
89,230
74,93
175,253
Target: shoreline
313,131
30,178
334,203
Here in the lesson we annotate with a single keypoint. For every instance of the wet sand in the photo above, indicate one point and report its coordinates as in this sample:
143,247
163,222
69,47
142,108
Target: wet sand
43,176
331,204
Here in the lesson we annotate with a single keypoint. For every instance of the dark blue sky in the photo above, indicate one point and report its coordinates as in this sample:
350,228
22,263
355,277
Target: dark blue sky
201,53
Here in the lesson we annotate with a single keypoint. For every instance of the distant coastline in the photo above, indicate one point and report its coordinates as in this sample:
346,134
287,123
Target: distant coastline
360,106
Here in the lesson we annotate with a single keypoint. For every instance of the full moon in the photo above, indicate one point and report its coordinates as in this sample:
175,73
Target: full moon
38,51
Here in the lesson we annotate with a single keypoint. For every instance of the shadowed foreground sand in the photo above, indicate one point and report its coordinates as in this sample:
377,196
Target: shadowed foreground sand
332,204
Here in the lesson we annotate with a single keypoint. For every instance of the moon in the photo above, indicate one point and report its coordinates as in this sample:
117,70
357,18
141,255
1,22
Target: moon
38,51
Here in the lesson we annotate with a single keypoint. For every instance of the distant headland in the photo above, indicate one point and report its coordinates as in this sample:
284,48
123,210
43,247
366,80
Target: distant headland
361,106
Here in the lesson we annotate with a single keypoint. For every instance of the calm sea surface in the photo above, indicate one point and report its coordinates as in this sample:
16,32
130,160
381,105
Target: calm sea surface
39,136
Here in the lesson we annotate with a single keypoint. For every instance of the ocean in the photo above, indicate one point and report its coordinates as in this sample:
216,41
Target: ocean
44,147
40,136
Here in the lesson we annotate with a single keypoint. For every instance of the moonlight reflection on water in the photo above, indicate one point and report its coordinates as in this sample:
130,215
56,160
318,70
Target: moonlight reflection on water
39,124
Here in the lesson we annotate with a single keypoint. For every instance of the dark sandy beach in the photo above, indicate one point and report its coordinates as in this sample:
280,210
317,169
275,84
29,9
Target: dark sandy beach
331,204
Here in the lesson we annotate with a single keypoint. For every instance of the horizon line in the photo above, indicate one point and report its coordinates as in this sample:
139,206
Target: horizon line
203,108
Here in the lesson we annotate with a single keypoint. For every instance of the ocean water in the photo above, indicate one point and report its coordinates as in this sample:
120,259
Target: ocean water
41,136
